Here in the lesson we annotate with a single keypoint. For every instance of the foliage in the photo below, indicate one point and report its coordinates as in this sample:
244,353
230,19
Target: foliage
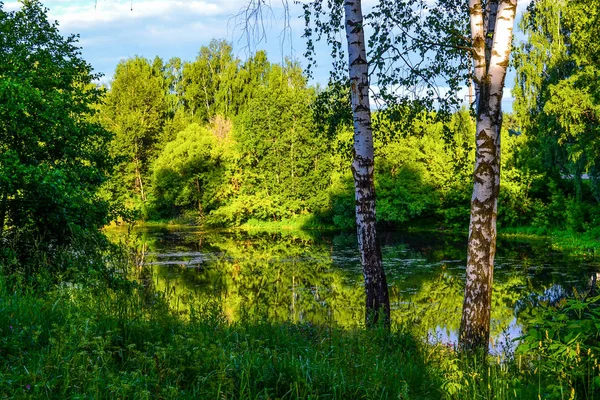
278,164
268,147
188,173
52,156
562,342
556,109
134,111
208,85
288,146
417,173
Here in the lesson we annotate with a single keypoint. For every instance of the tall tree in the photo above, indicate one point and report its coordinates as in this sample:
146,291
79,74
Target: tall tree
52,156
283,159
491,35
135,112
556,95
207,82
376,290
377,297
412,46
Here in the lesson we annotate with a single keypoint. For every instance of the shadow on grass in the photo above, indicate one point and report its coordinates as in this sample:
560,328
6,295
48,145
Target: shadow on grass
82,342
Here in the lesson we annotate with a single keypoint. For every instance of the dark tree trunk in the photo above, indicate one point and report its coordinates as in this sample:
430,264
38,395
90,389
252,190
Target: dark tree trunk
3,205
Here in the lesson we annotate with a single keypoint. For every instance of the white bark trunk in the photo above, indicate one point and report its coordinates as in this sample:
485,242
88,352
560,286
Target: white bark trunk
377,298
491,36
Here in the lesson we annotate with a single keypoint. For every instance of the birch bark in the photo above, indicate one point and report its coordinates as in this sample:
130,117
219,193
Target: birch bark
491,34
376,290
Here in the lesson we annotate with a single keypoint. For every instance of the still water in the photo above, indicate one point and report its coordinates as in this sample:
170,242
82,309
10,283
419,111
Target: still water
316,277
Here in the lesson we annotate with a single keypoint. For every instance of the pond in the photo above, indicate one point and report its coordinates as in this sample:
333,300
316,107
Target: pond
316,277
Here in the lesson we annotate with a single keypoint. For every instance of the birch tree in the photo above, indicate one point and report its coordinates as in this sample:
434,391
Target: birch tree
376,291
492,25
416,47
405,60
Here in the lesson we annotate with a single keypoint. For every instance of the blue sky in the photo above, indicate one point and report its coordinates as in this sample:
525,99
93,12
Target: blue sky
112,30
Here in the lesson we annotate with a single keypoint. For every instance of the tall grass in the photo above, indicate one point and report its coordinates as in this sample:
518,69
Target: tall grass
580,244
100,342
105,344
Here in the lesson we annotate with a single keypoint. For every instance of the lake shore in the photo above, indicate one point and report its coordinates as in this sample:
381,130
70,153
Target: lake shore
584,244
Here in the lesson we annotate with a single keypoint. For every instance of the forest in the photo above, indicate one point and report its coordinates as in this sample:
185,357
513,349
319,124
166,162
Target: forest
222,142
231,145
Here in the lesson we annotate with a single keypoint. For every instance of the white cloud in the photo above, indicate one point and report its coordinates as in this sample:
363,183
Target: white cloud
111,30
88,15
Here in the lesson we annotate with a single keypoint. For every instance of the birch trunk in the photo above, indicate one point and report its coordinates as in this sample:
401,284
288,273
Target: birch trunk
376,290
491,33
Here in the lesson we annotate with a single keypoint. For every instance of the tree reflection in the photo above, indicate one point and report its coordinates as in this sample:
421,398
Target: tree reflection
298,277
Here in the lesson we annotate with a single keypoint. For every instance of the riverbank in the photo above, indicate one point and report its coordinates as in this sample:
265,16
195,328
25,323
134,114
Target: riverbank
580,244
102,343
107,344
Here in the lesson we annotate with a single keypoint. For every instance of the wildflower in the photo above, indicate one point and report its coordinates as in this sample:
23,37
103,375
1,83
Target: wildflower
28,386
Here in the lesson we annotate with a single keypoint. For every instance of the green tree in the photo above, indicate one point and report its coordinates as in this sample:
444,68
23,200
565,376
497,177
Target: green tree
557,107
207,83
252,75
284,162
418,174
135,112
189,172
52,156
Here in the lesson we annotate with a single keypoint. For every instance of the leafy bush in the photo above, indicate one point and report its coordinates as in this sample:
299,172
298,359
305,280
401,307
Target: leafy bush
53,157
562,344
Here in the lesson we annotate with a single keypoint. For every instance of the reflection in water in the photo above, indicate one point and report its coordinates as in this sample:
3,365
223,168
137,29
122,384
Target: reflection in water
317,278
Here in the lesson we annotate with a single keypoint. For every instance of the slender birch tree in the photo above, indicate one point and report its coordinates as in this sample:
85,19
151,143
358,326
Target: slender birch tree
492,25
377,297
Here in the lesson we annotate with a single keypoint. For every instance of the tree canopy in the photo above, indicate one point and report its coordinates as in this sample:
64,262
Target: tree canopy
53,155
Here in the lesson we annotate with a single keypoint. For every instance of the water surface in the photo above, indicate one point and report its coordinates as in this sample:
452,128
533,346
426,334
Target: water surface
317,278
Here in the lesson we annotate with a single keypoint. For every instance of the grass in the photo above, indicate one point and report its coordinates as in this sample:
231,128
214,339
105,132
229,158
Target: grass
96,342
580,244
127,343
103,344
298,222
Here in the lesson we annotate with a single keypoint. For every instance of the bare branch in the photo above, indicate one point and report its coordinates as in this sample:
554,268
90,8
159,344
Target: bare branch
252,18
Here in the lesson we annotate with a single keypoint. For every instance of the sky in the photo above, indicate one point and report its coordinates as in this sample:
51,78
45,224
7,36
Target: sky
113,30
